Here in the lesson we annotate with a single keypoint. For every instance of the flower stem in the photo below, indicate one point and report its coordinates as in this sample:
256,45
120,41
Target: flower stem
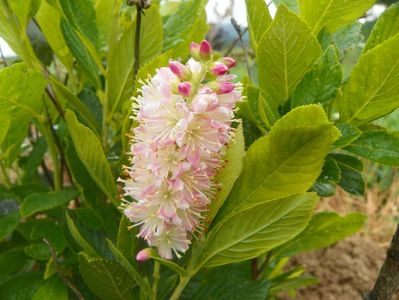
180,287
137,42
157,268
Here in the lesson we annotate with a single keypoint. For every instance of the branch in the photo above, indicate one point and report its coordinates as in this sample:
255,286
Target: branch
388,279
59,272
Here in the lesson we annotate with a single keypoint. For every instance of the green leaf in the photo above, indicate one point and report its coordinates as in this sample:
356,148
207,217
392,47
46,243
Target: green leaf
323,230
332,14
82,242
104,13
21,286
379,146
330,172
24,10
106,279
64,93
320,85
291,4
44,201
262,112
284,163
5,121
52,31
323,189
230,171
386,27
127,242
12,261
80,52
38,251
284,54
91,153
259,20
151,37
229,282
9,217
52,289
349,133
21,90
129,267
348,37
32,162
351,177
372,90
82,16
252,232
179,25
51,231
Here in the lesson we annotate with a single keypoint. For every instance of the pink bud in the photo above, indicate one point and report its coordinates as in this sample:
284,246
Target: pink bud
143,255
184,88
228,61
205,50
220,87
219,68
180,70
195,51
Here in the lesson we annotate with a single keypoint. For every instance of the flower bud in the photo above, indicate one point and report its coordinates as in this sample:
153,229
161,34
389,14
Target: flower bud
144,255
195,51
220,87
228,61
180,70
218,68
205,50
184,88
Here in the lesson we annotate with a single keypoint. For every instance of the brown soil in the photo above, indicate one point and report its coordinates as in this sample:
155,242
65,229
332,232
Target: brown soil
346,270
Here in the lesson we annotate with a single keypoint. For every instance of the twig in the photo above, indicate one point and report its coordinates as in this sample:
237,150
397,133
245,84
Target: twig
387,283
240,35
137,41
234,43
254,269
59,272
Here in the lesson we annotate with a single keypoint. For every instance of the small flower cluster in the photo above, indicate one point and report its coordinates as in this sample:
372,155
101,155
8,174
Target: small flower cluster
184,117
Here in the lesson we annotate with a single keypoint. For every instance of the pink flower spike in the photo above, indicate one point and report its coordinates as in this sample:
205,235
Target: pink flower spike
228,61
205,50
195,51
180,70
184,88
143,255
219,69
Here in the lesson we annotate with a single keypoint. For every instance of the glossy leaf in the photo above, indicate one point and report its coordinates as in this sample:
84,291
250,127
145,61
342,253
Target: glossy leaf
330,172
284,54
349,133
259,20
52,289
332,14
379,146
229,282
12,261
179,25
44,201
252,232
108,280
351,177
52,31
386,27
230,171
372,90
21,286
285,162
320,85
79,51
324,229
90,151
82,16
